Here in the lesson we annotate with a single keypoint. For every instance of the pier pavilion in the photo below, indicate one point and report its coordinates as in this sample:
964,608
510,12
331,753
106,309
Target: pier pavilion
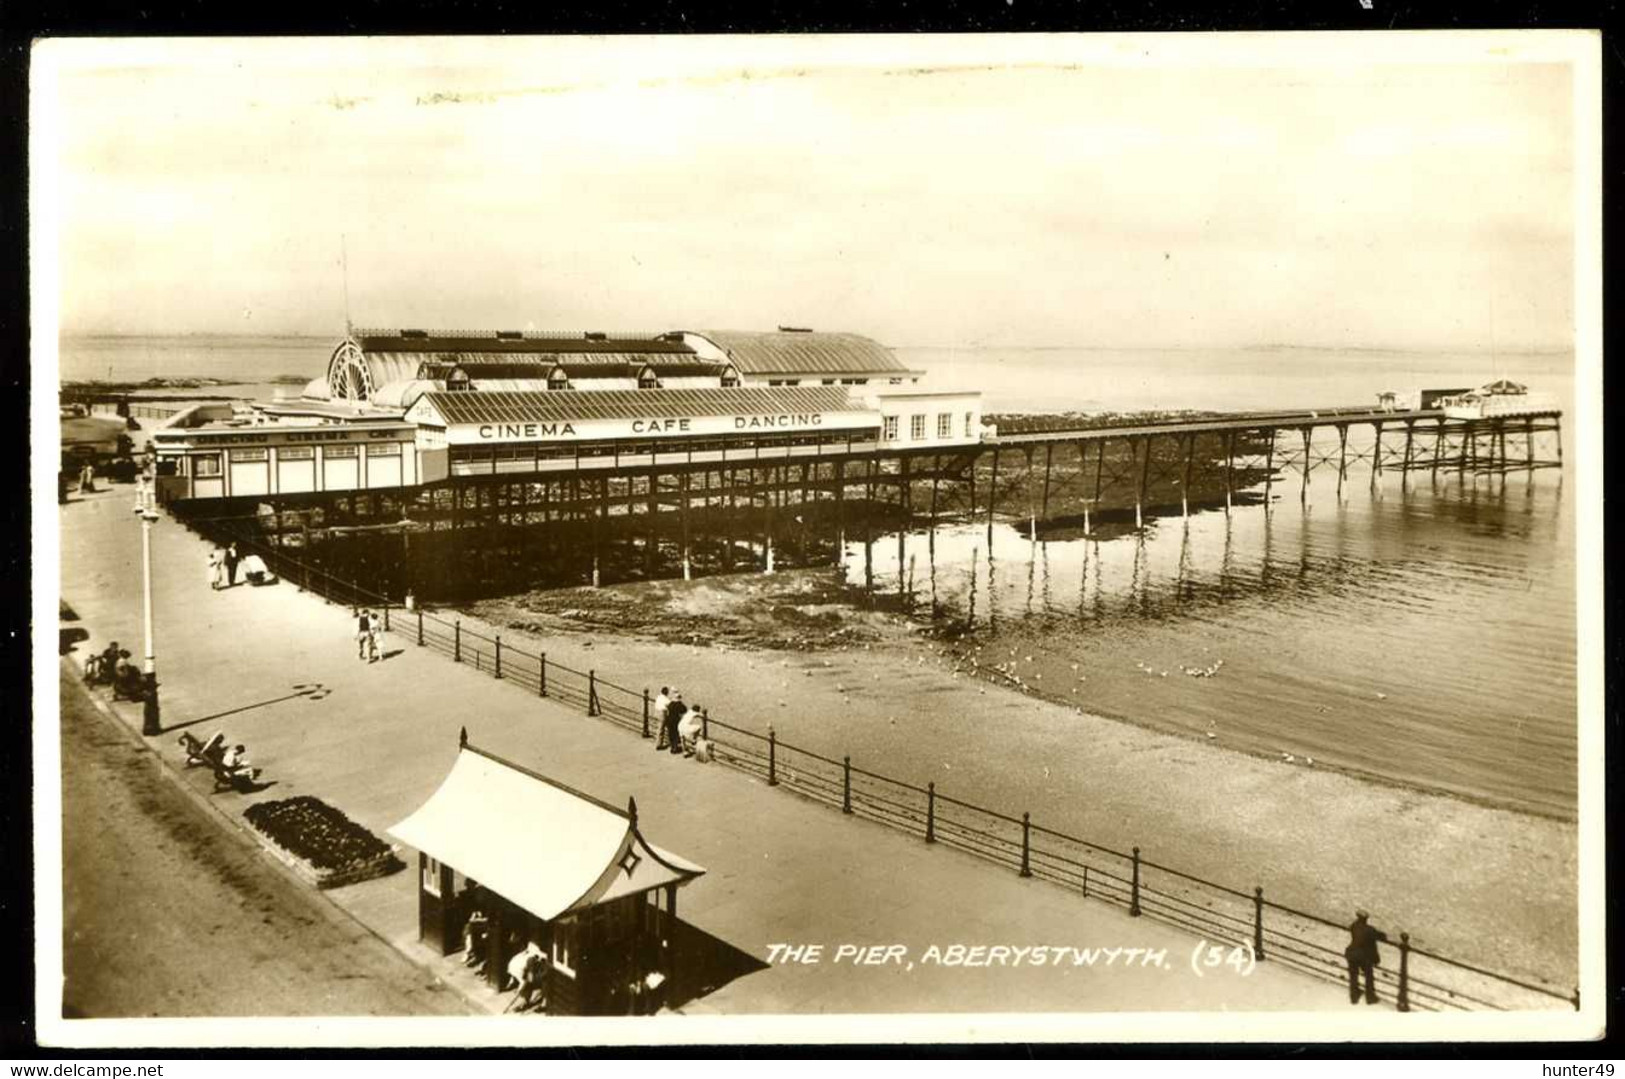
493,456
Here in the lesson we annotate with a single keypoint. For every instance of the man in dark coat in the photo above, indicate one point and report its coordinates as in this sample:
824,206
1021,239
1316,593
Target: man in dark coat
231,565
674,715
1363,957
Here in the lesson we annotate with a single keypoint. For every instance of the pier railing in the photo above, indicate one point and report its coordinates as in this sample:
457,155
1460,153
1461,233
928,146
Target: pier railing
1235,927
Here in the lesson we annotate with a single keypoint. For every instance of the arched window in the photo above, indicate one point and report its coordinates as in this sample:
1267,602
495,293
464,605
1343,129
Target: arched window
647,379
349,377
557,379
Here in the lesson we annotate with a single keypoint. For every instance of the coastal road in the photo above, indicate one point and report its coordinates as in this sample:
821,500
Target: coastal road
167,913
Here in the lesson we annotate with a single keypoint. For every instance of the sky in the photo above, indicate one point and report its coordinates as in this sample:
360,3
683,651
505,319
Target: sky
950,192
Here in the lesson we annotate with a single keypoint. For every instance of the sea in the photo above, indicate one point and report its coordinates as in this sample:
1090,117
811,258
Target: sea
1418,632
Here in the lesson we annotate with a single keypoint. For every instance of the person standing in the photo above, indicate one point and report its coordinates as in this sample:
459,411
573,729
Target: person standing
674,715
216,568
363,633
1363,957
661,703
231,565
375,633
87,479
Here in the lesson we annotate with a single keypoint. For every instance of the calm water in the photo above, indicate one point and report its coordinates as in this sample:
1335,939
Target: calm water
1424,634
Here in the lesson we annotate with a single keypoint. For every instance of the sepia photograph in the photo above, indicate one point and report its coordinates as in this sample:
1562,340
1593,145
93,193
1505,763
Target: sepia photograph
663,540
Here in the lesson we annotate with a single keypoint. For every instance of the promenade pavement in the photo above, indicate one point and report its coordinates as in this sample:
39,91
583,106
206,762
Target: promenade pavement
378,739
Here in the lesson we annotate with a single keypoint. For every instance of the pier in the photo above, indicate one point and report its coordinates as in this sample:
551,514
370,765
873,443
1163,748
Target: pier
504,518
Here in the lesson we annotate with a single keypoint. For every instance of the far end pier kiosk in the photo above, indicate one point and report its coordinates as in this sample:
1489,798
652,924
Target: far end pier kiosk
555,867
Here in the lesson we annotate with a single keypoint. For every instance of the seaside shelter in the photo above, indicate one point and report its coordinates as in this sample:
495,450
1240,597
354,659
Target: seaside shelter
549,865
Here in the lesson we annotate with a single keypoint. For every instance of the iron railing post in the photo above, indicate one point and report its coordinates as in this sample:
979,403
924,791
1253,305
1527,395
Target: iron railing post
541,682
645,712
931,812
592,692
1134,896
772,757
457,641
705,725
1404,1004
1258,924
497,672
386,616
1086,882
846,784
420,627
1026,844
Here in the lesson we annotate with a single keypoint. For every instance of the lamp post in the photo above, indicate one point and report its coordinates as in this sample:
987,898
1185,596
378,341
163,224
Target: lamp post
149,711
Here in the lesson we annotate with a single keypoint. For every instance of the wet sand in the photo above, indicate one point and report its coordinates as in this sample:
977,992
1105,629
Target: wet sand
1474,882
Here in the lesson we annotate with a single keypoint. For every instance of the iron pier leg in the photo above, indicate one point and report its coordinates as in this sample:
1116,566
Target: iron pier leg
840,510
1269,471
993,492
1405,472
1032,510
1229,467
1100,463
1342,455
1303,488
1049,455
1139,491
903,498
1185,483
767,520
868,530
688,571
1376,456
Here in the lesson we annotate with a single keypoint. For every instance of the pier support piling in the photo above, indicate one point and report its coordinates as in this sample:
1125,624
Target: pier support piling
1185,482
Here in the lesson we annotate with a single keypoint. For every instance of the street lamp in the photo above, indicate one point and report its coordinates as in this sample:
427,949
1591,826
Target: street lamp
149,712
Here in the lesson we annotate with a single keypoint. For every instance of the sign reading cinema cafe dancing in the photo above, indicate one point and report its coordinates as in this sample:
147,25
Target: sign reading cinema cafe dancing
631,427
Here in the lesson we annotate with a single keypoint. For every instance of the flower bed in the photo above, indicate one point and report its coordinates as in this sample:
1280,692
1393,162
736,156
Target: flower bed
320,843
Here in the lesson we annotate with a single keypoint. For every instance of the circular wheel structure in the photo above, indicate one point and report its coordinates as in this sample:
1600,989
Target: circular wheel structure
348,376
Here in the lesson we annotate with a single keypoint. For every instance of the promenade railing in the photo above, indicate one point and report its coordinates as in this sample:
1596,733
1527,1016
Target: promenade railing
1235,927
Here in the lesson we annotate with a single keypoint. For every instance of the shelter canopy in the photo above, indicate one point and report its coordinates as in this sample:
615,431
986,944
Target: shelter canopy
537,843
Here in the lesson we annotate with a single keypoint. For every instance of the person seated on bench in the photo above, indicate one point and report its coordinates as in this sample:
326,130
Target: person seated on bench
233,771
127,682
99,668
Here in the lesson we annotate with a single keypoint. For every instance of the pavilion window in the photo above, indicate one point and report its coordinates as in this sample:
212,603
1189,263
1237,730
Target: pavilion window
916,427
889,431
945,425
431,876
206,464
970,420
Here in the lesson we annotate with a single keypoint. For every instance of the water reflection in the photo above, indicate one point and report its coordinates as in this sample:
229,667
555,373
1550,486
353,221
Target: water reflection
1399,632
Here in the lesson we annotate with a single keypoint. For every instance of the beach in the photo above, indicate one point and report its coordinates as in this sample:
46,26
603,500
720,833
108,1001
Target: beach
1475,882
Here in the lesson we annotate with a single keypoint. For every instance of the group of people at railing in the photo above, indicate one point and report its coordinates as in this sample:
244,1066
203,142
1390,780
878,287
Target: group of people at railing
682,729
223,565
